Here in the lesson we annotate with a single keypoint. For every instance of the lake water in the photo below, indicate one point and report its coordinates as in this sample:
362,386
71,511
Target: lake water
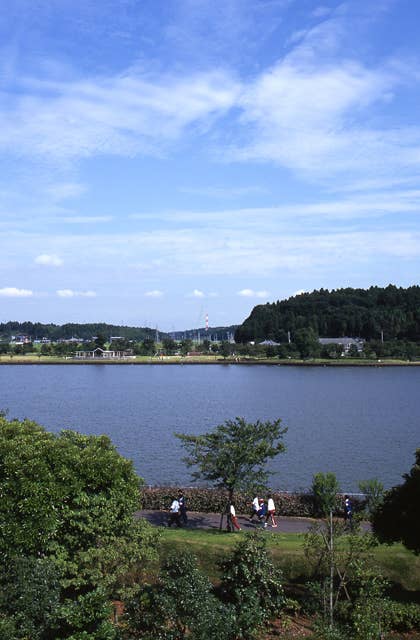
359,423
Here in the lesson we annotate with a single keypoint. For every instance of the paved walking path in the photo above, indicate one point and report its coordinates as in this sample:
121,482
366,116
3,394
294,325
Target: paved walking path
197,520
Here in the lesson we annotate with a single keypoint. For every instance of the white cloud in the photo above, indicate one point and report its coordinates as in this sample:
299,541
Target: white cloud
49,260
65,190
70,293
196,293
13,292
120,115
155,293
250,293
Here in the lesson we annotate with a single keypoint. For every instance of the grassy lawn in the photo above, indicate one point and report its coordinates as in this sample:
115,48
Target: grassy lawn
396,563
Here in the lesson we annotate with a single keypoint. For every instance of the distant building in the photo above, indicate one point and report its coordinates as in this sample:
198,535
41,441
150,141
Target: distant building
104,354
345,343
269,343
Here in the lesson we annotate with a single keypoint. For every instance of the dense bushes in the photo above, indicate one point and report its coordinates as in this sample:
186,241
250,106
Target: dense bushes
214,501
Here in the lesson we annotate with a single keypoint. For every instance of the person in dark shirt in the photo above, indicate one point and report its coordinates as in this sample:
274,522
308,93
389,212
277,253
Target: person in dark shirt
348,512
262,512
182,508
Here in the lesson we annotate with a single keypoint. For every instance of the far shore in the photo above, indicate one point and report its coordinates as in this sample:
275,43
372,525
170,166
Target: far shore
205,360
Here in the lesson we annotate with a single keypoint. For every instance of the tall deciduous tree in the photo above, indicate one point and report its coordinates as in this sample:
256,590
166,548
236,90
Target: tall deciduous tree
234,454
398,519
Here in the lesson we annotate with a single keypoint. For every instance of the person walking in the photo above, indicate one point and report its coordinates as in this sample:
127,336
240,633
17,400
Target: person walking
182,508
348,512
262,512
271,510
174,514
255,509
233,518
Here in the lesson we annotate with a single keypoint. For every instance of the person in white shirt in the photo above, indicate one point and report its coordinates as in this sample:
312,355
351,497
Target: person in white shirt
255,508
271,509
233,518
174,514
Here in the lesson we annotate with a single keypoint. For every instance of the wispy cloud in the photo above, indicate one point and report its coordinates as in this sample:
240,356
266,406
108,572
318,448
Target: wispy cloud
13,292
196,293
49,260
121,115
155,293
70,293
250,293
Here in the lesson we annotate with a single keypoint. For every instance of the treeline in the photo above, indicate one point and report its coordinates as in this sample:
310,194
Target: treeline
390,313
37,330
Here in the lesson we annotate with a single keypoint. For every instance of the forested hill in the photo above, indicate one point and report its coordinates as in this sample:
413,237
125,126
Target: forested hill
82,331
343,312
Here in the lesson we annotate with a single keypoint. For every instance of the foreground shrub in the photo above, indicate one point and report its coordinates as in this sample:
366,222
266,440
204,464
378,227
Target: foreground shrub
252,585
180,605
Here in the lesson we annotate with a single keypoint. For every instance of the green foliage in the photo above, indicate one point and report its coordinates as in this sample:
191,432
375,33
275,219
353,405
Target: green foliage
70,330
67,499
180,605
343,312
325,488
397,518
225,349
186,346
367,614
306,341
347,592
87,618
169,346
29,596
374,495
70,497
233,455
402,616
252,585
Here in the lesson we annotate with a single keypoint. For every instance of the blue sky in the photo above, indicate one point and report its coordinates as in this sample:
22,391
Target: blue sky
164,159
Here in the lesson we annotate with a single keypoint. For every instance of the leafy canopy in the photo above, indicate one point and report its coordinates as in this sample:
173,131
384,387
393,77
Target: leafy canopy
252,585
233,455
71,498
397,518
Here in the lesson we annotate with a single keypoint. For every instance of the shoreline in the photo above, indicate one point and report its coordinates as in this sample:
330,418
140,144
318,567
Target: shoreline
189,362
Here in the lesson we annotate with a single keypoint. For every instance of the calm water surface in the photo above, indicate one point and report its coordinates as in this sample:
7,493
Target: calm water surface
359,423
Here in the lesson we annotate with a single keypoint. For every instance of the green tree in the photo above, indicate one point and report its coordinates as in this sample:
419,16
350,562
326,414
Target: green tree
252,585
373,491
306,341
346,592
325,488
169,346
186,346
397,518
225,349
100,341
233,455
70,498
